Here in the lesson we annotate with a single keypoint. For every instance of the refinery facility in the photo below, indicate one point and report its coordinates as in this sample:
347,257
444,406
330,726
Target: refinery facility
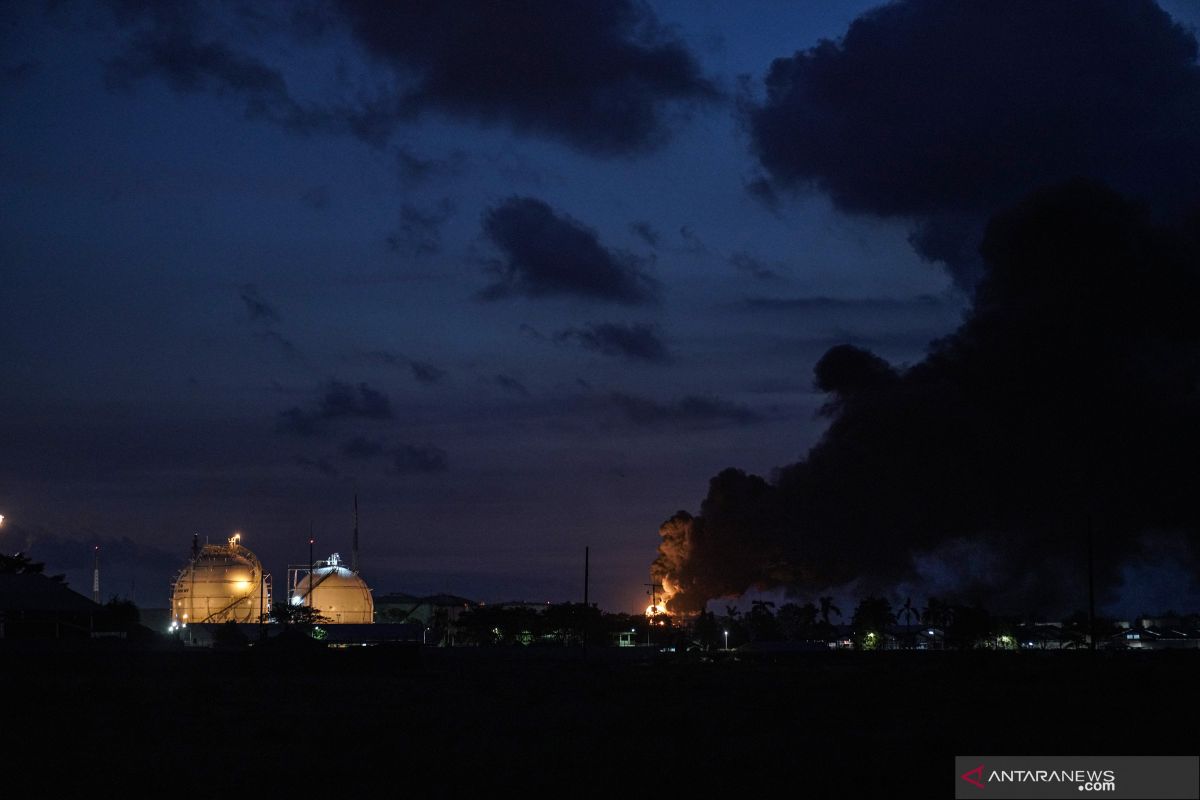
223,583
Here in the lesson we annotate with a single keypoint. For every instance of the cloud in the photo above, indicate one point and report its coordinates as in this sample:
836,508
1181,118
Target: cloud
343,400
511,384
412,459
595,75
423,371
360,447
688,412
426,373
940,112
764,193
257,306
691,242
420,231
337,401
1064,402
189,66
821,303
415,170
646,232
550,254
601,77
636,342
753,266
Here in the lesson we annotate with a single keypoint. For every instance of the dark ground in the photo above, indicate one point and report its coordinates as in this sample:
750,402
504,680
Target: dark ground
384,722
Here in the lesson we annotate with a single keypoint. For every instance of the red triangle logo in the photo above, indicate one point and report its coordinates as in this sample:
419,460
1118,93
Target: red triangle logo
977,772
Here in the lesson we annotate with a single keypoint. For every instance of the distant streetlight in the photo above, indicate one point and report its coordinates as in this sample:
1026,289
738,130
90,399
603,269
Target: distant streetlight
726,640
1,520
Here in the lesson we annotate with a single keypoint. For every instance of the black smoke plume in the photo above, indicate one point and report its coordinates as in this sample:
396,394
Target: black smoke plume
1066,402
941,112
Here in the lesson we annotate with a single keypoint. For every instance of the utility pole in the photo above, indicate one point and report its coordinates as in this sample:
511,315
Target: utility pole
96,575
654,587
1091,567
354,552
585,577
311,542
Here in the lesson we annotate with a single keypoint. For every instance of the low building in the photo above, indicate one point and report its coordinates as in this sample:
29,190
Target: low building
33,606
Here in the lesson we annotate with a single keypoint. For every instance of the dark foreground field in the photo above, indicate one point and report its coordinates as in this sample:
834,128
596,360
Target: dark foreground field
384,722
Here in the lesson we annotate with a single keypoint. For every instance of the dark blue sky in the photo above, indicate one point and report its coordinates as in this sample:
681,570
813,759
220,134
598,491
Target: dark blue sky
234,289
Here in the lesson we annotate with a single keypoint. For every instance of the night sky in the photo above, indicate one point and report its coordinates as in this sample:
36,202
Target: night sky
524,276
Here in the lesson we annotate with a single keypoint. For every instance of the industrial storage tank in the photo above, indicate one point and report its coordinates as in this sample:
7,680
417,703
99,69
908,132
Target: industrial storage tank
335,591
220,583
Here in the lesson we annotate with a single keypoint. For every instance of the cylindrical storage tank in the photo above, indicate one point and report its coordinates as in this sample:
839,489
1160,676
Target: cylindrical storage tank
337,594
221,583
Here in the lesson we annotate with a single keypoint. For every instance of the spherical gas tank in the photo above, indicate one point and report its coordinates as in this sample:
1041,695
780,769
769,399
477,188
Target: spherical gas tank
220,584
337,593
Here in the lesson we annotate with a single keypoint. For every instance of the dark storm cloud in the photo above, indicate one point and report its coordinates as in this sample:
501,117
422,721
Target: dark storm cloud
337,401
360,447
1067,399
596,75
688,412
548,254
412,459
753,266
176,43
420,231
646,232
636,342
257,306
940,112
511,384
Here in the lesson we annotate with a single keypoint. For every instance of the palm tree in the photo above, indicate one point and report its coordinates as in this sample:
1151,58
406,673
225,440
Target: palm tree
908,612
828,607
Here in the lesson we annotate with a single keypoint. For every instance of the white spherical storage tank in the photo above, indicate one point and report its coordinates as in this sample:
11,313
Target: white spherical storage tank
336,592
221,583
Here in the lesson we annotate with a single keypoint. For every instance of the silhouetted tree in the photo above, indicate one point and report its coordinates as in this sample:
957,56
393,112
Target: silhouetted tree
303,614
763,627
797,622
121,614
827,608
706,631
969,627
871,621
21,564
